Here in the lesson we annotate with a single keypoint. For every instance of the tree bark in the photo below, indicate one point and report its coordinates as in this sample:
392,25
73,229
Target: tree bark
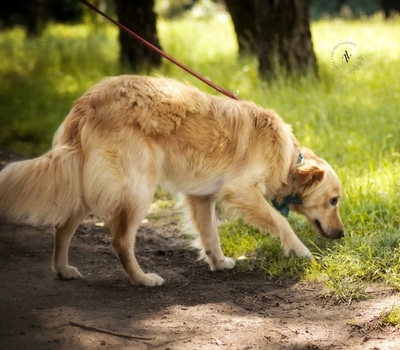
282,35
243,21
139,16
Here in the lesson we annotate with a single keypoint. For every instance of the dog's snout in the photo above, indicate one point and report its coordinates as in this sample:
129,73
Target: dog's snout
330,232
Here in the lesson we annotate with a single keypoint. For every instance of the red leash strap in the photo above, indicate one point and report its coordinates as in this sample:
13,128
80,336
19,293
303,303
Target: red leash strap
162,53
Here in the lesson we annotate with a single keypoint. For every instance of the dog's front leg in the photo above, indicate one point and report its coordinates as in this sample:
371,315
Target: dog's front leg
202,211
250,203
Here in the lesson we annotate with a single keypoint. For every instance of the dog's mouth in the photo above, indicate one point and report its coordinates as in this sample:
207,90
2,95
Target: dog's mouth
320,229
332,233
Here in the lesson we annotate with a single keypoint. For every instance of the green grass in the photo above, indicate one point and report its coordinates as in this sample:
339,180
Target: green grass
391,317
352,120
41,77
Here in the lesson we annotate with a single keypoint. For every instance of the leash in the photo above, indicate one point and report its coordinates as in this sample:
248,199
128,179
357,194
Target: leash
162,53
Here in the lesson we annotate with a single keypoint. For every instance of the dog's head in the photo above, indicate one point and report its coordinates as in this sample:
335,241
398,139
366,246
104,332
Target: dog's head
319,189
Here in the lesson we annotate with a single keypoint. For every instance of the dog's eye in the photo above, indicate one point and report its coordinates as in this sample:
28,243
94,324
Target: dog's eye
334,201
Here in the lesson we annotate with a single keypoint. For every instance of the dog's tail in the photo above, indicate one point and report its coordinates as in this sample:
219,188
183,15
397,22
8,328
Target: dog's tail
43,191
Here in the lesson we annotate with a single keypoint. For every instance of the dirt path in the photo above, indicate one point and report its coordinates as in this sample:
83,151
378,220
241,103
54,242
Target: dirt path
195,309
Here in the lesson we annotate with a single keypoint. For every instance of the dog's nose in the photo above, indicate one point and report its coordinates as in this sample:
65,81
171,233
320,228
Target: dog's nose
338,234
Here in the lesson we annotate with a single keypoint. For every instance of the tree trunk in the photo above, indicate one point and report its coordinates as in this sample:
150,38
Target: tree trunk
390,7
282,34
243,21
36,18
139,16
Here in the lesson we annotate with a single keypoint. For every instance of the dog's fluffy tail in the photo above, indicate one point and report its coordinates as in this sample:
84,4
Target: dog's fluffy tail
43,191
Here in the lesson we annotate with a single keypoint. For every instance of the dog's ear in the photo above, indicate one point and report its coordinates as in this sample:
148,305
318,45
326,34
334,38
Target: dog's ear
309,174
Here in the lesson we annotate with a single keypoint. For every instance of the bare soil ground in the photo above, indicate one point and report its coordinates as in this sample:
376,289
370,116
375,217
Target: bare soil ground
195,309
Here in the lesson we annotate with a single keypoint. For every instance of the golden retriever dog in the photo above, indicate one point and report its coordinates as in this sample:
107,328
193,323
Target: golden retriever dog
129,134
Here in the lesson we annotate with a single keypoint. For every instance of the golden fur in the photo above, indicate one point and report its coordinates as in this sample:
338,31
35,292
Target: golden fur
128,134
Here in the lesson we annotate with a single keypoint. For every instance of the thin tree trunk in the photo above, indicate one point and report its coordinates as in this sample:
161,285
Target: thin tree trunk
390,7
36,18
139,16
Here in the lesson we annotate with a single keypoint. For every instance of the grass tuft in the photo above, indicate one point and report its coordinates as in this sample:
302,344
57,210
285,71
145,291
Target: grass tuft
391,317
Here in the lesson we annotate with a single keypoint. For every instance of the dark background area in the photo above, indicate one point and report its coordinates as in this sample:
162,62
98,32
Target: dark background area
21,12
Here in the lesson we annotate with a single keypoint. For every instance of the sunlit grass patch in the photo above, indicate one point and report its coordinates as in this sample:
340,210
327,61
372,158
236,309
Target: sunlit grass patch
257,251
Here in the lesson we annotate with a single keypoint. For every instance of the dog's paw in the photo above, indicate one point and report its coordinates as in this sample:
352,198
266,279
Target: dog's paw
306,254
302,252
69,273
224,264
150,280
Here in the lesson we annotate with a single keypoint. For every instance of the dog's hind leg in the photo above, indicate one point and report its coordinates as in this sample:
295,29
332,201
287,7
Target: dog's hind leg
123,226
202,211
120,180
62,239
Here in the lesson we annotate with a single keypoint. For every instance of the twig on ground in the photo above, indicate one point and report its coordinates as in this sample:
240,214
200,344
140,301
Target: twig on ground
100,330
183,286
212,280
